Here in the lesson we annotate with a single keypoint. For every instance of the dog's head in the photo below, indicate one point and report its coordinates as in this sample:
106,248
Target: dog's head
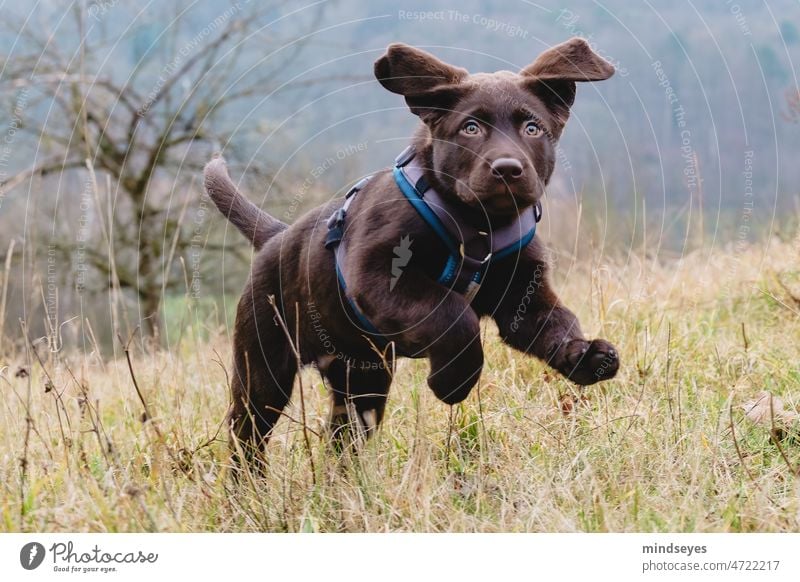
493,135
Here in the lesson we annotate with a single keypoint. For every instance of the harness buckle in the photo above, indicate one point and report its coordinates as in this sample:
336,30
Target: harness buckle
336,219
537,211
405,156
358,186
483,261
463,254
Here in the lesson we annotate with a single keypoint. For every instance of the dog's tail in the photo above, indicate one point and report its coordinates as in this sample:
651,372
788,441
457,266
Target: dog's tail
252,222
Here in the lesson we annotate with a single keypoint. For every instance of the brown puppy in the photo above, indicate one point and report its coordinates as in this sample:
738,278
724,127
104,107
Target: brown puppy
487,146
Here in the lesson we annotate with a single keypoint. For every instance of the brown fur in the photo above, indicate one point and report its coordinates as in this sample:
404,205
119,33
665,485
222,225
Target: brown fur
423,318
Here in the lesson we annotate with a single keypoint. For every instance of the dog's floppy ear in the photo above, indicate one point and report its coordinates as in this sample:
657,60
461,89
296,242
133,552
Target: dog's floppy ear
428,84
554,73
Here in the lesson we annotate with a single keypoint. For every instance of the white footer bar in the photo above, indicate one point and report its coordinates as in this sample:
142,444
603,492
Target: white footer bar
386,557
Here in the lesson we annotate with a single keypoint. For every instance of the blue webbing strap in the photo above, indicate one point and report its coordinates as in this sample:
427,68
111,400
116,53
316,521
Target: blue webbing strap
461,272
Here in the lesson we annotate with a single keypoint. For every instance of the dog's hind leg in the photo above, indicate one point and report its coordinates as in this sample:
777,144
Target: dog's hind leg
358,399
260,391
263,376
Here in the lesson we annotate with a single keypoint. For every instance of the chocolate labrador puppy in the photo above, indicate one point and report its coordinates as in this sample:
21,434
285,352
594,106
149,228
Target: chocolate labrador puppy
416,255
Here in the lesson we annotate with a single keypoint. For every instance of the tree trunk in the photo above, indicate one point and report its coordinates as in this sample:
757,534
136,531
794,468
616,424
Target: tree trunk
151,312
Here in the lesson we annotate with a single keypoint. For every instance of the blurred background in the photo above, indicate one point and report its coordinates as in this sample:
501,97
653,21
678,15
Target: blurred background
110,110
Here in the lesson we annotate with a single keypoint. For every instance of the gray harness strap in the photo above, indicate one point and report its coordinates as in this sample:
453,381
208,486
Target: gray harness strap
470,249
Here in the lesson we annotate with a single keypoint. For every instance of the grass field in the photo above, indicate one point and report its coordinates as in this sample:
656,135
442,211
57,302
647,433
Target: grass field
652,450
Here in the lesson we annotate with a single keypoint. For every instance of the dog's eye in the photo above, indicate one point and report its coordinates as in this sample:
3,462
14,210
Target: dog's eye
532,130
471,127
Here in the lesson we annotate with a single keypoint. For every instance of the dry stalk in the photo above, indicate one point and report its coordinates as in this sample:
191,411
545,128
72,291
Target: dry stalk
147,413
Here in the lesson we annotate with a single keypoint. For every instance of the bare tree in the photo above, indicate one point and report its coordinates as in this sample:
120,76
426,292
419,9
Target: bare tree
137,135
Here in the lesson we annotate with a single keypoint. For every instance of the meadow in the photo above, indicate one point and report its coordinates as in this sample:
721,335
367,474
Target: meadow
665,446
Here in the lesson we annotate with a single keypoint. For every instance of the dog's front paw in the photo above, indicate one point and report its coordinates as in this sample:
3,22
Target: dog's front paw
590,362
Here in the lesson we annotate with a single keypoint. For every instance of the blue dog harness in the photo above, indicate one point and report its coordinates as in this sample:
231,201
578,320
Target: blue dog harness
470,250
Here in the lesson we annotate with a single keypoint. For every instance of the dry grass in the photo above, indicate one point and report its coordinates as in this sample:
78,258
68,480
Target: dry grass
651,450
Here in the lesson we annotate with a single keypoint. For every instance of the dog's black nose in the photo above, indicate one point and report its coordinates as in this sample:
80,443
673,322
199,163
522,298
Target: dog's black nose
506,169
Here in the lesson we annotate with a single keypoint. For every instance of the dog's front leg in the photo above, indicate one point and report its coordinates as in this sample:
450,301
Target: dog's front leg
456,356
531,318
425,319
